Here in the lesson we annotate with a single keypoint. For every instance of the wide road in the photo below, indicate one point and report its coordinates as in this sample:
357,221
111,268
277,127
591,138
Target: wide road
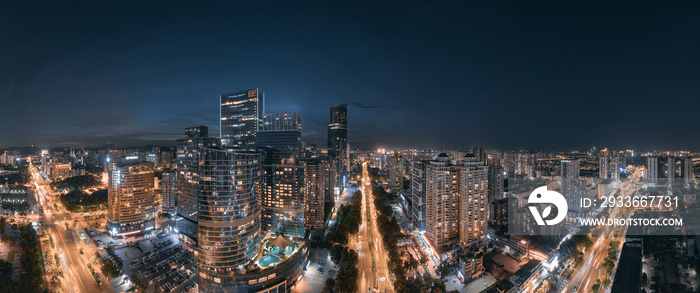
77,277
369,234
591,268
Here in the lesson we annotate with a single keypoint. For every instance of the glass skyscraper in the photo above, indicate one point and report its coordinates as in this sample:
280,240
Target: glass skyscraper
188,155
228,215
241,113
338,144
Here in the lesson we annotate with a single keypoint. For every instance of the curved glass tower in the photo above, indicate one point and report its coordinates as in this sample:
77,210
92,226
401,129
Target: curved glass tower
229,215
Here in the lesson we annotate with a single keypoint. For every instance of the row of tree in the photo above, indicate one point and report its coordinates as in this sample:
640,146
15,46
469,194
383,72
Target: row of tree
391,233
32,277
346,280
349,219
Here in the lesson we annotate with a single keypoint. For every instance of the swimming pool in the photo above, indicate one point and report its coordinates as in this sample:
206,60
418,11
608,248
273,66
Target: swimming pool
268,260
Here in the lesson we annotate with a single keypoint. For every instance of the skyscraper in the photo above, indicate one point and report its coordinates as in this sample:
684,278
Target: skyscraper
615,168
418,195
169,188
570,184
496,183
442,201
473,203
189,153
315,191
396,173
338,143
282,193
283,174
228,216
131,196
603,167
671,169
687,170
281,131
652,170
241,114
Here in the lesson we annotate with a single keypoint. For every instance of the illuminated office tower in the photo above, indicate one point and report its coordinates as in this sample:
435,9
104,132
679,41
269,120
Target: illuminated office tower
442,201
473,203
338,144
241,113
652,169
570,183
228,216
281,131
131,199
169,189
188,154
603,167
315,191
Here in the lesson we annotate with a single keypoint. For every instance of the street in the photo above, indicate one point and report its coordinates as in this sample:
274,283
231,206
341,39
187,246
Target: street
372,265
77,277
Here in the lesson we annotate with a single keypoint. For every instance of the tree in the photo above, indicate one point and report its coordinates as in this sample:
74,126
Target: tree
330,284
596,286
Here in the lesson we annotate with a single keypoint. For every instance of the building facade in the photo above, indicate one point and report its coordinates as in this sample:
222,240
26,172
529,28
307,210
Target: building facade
418,195
189,153
131,206
473,204
169,188
283,193
338,145
241,114
315,192
228,215
442,185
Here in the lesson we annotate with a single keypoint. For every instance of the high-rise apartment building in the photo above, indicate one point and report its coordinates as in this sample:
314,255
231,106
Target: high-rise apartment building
652,172
496,183
283,174
615,168
189,153
570,183
131,195
671,169
442,188
473,203
603,167
228,216
687,170
338,144
396,172
315,191
283,192
168,185
418,195
241,114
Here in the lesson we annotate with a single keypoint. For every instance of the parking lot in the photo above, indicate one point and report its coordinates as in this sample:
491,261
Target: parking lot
320,267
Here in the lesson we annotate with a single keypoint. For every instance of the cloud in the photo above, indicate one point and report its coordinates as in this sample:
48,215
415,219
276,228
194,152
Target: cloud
360,105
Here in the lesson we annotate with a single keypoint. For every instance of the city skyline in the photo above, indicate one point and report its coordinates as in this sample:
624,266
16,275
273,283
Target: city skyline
547,77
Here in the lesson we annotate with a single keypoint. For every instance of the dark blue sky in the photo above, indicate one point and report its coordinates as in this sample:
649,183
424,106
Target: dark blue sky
539,75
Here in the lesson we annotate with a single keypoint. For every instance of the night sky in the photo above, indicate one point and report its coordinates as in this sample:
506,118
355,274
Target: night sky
532,74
